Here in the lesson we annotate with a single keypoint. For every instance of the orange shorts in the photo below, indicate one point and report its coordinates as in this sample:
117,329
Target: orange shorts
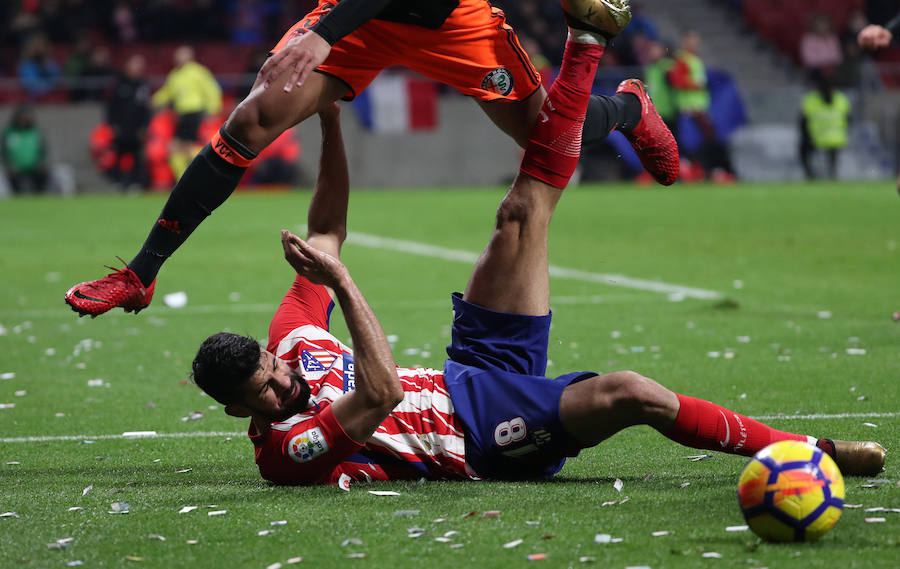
474,51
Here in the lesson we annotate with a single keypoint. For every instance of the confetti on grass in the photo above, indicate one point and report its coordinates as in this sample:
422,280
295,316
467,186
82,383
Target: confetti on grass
10,515
490,514
119,508
737,528
660,533
351,541
384,493
86,490
187,509
537,556
712,555
875,520
513,543
156,536
217,513
406,513
618,484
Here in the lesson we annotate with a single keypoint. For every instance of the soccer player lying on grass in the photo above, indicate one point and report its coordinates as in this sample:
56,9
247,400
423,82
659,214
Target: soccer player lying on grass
319,410
463,43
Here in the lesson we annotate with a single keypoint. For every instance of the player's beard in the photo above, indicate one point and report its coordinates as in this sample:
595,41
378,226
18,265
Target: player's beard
301,401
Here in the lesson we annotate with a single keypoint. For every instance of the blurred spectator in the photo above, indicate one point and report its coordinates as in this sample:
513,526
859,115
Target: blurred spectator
824,119
38,72
849,72
24,152
123,23
76,66
656,77
687,76
128,114
820,47
192,92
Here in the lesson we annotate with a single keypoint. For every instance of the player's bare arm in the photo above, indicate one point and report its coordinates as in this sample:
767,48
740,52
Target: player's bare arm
305,52
378,389
327,216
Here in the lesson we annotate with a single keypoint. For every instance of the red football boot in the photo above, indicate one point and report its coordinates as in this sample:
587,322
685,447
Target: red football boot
651,138
119,288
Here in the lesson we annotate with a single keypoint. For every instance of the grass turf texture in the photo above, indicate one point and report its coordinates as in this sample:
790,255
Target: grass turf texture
798,250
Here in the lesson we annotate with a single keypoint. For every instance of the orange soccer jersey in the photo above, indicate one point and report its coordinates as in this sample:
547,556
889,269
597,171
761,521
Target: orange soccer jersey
474,51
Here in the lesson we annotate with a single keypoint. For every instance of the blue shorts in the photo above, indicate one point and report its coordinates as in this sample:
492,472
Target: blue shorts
495,376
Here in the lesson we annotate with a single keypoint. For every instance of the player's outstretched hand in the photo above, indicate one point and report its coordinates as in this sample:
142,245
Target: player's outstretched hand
300,55
318,267
874,36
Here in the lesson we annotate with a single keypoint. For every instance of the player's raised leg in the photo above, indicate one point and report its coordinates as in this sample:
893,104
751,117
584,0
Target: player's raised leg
596,408
208,181
512,273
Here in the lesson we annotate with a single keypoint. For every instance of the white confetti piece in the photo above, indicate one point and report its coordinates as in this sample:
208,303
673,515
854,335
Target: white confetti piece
119,508
602,538
13,463
293,560
74,563
856,351
60,415
187,509
156,536
712,555
737,528
392,338
20,393
192,541
384,493
713,354
853,506
50,352
513,543
618,484
351,541
183,471
7,405
450,533
824,314
586,559
65,540
8,375
875,520
743,339
660,533
88,489
532,523
75,509
443,539
234,297
698,457
344,483
278,523
217,513
356,556
176,299
10,515
873,425
274,566
615,334
193,416
877,509
416,534
406,513
609,503
439,520
456,545
263,532
95,382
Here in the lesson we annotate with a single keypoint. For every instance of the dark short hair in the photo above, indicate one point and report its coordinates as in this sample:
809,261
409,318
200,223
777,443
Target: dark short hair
224,362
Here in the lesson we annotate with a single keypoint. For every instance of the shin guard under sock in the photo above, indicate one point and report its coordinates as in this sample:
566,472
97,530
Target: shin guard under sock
555,142
704,425
205,185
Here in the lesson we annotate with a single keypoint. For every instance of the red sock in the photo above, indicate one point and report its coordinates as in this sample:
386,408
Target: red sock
705,425
555,142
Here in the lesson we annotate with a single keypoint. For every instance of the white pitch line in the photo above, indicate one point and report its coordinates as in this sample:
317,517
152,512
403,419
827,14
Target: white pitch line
425,250
211,434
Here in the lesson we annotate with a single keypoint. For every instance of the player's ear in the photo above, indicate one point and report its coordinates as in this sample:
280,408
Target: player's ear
237,410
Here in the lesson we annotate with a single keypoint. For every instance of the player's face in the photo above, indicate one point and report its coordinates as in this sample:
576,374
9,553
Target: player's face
275,391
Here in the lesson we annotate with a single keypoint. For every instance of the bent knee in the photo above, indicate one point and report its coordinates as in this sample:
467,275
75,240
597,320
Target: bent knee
629,391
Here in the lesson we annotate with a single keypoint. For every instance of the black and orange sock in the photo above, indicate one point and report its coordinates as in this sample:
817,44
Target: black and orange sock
205,185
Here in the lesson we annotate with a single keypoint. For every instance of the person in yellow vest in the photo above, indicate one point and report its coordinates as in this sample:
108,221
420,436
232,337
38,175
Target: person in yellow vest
824,120
687,75
193,93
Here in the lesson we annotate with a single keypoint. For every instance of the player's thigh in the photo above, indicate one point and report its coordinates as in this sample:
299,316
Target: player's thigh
596,408
515,118
268,111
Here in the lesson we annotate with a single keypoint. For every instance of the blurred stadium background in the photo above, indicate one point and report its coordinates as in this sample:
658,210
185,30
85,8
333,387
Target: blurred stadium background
63,59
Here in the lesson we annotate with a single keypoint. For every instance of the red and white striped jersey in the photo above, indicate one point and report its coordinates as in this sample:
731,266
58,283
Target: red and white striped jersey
421,437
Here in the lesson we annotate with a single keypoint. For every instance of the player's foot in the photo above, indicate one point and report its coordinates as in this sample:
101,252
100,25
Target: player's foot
855,458
651,138
606,17
120,288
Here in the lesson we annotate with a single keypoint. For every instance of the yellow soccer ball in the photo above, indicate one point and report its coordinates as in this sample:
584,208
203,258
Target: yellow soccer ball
791,491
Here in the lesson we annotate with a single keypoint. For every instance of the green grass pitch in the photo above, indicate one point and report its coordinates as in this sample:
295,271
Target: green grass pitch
782,256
